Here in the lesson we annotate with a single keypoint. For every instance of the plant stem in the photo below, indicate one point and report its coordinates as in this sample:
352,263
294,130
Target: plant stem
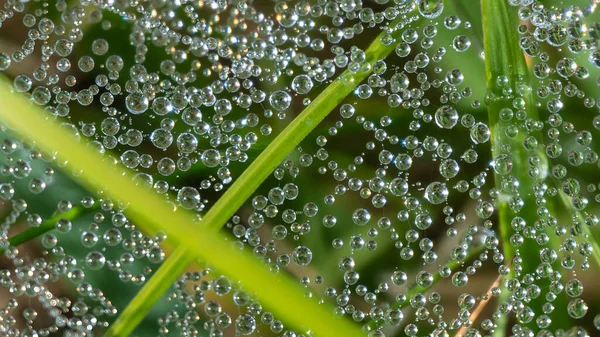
46,226
479,308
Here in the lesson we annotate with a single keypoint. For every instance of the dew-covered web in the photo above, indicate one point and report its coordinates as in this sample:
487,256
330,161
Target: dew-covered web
390,210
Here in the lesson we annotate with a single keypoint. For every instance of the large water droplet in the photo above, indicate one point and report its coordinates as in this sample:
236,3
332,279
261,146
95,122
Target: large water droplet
430,9
446,117
436,193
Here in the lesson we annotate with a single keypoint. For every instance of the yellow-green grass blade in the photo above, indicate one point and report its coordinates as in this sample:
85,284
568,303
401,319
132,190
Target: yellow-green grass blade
279,293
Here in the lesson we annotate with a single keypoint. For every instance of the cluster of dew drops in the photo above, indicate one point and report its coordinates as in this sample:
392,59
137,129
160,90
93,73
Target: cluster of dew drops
231,73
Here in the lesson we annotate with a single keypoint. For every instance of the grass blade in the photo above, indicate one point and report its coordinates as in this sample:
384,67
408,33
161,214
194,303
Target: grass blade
505,58
151,212
150,294
506,68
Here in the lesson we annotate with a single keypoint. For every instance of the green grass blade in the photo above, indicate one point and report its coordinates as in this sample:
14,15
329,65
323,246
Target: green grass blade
504,57
47,226
292,135
151,212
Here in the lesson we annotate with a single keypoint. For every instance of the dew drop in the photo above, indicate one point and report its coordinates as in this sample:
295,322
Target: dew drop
446,117
577,308
436,193
461,43
280,100
430,9
136,103
302,255
302,84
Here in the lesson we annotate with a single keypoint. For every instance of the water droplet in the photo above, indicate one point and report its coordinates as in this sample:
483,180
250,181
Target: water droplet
480,133
245,324
280,100
137,103
302,84
577,308
302,255
461,43
436,193
188,197
446,117
430,9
